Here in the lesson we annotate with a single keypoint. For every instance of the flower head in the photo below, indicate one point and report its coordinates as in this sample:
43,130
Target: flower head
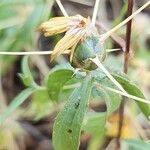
77,28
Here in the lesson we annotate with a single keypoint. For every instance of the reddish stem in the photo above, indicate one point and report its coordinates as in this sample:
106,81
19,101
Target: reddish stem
126,62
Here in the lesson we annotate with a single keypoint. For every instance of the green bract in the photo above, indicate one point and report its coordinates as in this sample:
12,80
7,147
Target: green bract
89,48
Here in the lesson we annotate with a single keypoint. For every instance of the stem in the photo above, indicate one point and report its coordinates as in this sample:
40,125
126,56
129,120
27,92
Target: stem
31,53
44,52
126,62
127,95
107,34
62,8
3,104
128,37
95,12
113,50
98,63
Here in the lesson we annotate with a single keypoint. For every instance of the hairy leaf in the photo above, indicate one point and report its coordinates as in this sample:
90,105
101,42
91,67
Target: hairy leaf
68,124
94,122
112,99
132,89
57,79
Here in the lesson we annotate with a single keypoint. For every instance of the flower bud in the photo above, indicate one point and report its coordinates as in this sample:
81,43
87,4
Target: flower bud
87,49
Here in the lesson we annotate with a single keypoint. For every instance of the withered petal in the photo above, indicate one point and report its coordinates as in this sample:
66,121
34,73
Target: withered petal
58,25
68,41
55,25
72,50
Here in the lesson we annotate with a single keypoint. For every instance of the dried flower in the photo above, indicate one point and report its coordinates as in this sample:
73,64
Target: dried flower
77,28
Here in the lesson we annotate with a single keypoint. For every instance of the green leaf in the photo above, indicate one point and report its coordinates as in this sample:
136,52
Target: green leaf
68,124
128,85
112,99
57,79
18,100
40,105
69,87
26,74
132,89
94,122
23,36
26,34
122,13
138,144
6,3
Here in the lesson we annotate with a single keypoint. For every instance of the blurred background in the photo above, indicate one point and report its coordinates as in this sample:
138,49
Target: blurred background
30,127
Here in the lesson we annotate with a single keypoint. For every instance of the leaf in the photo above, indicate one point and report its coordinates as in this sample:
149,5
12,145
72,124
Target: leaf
6,3
18,100
26,74
94,122
112,99
138,144
132,89
69,87
56,80
23,37
40,105
26,35
68,124
128,85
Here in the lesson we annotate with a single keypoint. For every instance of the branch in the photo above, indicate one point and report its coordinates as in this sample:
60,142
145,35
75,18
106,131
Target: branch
126,62
95,12
107,34
62,8
31,53
127,95
99,64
